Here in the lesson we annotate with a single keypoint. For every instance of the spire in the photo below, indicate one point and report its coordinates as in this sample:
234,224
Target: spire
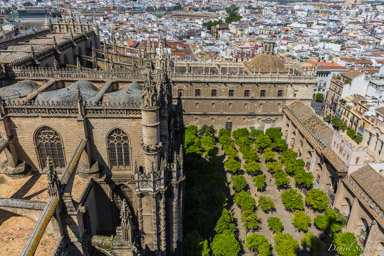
78,64
126,221
32,51
53,180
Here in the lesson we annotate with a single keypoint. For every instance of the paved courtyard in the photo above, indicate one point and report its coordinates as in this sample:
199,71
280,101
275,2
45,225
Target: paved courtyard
273,192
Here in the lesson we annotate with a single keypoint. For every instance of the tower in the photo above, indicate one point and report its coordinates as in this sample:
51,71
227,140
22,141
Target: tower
268,46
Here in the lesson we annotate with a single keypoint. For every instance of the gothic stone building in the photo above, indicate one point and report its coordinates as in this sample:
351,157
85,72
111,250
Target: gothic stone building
233,95
121,134
226,94
360,199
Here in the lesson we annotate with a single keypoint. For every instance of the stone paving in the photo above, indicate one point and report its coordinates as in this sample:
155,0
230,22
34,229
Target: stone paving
272,192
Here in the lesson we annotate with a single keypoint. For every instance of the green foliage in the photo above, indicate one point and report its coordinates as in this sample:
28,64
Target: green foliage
241,132
351,133
238,182
256,133
197,218
252,168
331,221
230,151
191,140
225,222
274,133
319,97
280,145
208,144
303,179
346,244
266,204
243,142
226,141
258,243
192,243
292,200
343,127
269,155
225,244
211,24
193,150
301,221
259,181
288,156
27,4
293,166
285,245
249,154
195,197
274,166
233,16
232,165
244,200
250,220
191,130
328,118
358,139
262,142
317,199
310,241
336,122
224,132
207,130
206,250
275,224
281,179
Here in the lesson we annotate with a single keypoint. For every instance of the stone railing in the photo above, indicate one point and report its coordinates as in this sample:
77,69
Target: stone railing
15,40
47,73
240,78
315,140
371,204
71,109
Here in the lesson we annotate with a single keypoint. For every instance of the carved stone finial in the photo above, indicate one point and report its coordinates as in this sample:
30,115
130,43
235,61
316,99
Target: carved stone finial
78,65
53,180
149,96
126,221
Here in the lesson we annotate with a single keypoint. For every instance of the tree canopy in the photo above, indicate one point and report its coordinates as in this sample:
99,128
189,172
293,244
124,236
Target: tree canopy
330,220
274,166
225,244
250,220
266,204
303,179
241,132
207,130
262,142
258,243
238,182
244,200
310,241
259,181
281,179
225,222
317,199
346,244
292,200
192,243
269,155
275,224
285,245
252,168
301,221
274,133
232,165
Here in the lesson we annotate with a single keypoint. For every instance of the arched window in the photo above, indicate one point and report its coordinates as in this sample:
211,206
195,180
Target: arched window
49,143
118,148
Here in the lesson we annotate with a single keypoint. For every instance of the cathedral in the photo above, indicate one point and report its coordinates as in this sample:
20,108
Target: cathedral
67,113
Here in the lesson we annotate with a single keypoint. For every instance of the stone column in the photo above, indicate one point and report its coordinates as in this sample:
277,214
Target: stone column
353,215
151,137
371,240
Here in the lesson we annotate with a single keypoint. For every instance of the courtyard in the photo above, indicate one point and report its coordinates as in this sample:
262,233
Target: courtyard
268,204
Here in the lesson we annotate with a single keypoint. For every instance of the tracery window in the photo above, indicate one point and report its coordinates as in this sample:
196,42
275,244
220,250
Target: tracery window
49,143
118,148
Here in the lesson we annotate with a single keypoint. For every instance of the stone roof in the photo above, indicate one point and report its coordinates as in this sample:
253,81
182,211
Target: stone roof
128,94
266,63
19,89
312,122
69,94
351,74
380,110
371,182
335,160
